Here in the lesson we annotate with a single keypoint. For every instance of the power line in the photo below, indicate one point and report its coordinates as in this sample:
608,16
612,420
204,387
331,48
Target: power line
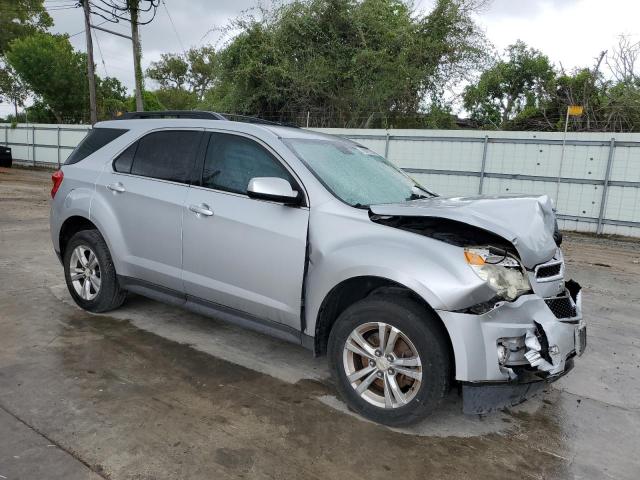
116,10
104,65
58,8
82,31
174,27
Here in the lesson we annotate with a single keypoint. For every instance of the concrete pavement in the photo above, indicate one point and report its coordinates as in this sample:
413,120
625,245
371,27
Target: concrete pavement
152,391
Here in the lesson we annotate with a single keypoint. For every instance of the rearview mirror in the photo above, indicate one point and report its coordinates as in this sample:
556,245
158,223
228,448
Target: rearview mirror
274,189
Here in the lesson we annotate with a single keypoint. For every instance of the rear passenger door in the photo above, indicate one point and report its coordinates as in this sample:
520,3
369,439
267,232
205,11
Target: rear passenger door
244,253
145,189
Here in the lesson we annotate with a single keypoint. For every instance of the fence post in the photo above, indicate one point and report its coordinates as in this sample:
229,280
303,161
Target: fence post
386,147
605,188
484,163
33,143
58,145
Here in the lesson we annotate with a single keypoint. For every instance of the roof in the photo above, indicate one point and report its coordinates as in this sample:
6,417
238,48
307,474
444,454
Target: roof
202,119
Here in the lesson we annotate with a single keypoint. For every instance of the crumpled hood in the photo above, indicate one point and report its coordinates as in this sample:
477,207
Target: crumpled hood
528,222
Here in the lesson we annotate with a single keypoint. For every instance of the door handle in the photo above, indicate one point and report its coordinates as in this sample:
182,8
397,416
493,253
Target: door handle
202,209
116,187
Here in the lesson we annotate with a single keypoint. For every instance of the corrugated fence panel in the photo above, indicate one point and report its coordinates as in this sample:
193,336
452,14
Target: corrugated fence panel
623,203
626,165
439,155
448,184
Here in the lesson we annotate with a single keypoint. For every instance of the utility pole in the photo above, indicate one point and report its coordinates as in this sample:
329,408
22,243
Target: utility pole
128,10
91,68
137,54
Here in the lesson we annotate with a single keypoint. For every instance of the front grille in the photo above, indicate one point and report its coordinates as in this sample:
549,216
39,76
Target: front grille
562,307
547,271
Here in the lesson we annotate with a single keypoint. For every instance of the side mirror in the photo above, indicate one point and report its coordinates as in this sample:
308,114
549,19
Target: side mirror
274,189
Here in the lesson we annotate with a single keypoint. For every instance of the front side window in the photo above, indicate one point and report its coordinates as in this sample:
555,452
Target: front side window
166,155
92,142
232,161
354,174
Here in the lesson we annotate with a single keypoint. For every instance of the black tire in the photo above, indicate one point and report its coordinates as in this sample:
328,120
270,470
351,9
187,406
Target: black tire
428,337
109,296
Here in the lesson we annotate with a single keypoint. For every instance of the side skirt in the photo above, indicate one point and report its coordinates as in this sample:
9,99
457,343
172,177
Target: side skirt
214,310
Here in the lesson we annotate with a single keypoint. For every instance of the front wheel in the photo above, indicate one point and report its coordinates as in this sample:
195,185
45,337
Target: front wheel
390,358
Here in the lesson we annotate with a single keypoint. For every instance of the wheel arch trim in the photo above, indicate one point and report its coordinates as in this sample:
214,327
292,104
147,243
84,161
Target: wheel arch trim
334,303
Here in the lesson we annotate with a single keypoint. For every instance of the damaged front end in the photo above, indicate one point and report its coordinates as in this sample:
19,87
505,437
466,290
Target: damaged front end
534,339
506,347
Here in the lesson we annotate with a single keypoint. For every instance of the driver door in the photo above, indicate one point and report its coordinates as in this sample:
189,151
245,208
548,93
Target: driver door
243,253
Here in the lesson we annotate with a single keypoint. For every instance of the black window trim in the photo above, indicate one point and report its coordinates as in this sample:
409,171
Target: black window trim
190,176
199,167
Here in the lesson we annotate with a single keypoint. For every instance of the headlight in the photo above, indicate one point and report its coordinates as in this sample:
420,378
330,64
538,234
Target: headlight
500,270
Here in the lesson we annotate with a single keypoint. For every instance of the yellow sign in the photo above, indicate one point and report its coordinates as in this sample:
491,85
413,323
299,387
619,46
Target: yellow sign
575,110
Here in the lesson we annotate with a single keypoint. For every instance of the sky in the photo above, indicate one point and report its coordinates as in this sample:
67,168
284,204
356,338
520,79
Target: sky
571,32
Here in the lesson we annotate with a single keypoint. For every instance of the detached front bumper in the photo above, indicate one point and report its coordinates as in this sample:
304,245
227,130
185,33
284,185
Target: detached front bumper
507,354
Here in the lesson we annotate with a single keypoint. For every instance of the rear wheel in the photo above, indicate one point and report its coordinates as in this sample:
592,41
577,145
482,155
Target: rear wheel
390,359
90,273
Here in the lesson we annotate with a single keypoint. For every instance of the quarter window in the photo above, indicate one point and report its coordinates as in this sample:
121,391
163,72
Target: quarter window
166,155
232,161
94,140
125,159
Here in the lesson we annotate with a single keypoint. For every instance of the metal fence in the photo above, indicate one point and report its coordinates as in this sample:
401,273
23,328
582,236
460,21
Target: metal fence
42,144
596,186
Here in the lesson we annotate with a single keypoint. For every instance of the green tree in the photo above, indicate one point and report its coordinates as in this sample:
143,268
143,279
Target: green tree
20,18
12,88
347,62
177,98
515,90
184,79
203,70
54,71
170,71
56,74
111,97
151,102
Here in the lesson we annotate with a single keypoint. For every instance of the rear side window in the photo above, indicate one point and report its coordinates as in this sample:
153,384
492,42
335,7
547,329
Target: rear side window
94,141
166,155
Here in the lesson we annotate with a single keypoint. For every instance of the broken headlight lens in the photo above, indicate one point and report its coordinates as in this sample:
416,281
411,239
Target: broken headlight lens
500,270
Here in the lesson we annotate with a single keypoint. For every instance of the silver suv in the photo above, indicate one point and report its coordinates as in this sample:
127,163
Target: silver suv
318,240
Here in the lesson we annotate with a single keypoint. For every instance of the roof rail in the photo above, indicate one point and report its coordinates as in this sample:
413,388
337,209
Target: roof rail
200,114
234,117
172,114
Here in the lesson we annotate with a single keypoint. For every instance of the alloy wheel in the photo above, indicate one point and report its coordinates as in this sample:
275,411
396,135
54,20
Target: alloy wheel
84,271
382,365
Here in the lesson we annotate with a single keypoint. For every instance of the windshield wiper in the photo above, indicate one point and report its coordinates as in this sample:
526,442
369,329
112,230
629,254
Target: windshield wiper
417,196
